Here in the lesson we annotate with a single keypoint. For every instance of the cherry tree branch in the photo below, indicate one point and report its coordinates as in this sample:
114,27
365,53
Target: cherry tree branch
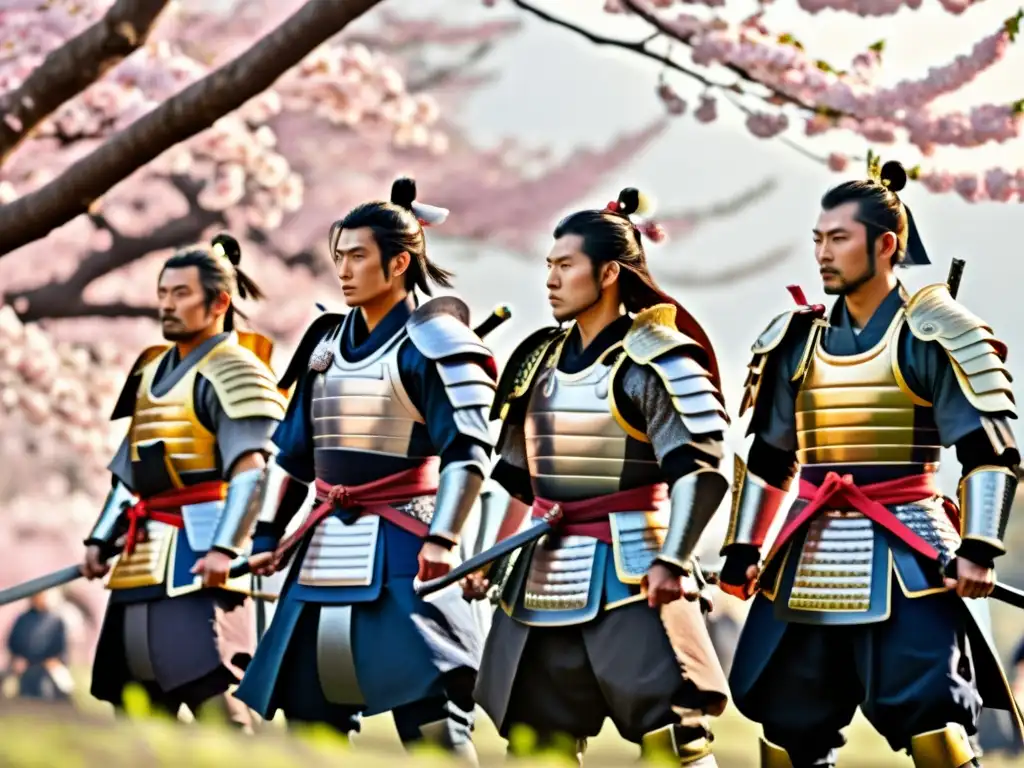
188,113
75,66
62,299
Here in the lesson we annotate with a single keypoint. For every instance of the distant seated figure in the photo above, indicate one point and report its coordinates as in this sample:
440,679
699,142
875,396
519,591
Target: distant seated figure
37,646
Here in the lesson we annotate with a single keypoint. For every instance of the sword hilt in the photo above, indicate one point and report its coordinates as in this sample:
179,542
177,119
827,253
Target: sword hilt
553,515
498,315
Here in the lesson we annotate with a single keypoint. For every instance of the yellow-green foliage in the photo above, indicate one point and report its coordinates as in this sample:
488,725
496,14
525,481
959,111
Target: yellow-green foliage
34,736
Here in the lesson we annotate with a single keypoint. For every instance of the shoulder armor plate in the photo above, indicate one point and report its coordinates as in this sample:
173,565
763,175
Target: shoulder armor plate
654,333
299,363
439,328
522,366
797,320
977,357
244,384
125,405
653,341
773,335
260,345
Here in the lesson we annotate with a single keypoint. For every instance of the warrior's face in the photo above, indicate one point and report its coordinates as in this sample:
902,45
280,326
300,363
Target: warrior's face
841,250
572,284
186,312
363,276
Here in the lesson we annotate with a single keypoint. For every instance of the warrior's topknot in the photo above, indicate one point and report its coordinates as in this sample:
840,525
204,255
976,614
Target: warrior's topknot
893,175
403,192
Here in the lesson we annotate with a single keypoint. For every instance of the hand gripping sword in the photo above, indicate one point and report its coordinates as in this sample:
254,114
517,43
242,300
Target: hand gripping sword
488,557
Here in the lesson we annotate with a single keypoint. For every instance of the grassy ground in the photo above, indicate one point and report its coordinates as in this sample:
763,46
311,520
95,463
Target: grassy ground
86,736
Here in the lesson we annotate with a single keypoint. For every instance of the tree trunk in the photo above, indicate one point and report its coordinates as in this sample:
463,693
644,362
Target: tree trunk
186,114
73,67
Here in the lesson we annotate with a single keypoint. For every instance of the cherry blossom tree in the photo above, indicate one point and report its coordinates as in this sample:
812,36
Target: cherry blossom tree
77,306
778,83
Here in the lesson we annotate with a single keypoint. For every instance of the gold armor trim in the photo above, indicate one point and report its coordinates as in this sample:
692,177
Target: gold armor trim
986,495
125,405
653,333
172,418
146,566
243,382
853,409
835,565
772,756
977,357
947,747
662,744
637,539
528,370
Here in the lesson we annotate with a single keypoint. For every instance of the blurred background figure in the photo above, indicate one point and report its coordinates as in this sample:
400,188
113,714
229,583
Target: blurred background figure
38,646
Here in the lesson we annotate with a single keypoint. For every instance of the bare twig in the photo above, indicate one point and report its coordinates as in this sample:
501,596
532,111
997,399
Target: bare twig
193,110
439,76
75,66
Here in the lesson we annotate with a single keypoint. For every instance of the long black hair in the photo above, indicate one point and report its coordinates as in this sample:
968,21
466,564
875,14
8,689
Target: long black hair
218,271
880,210
610,235
397,227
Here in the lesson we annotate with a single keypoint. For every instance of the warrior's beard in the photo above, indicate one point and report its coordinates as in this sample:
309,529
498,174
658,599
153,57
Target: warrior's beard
176,330
846,287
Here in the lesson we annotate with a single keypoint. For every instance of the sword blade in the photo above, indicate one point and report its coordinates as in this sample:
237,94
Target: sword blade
40,584
485,558
1004,593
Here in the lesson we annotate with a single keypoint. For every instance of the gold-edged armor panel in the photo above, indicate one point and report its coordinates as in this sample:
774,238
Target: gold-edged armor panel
977,357
948,747
654,341
243,382
858,409
172,419
842,571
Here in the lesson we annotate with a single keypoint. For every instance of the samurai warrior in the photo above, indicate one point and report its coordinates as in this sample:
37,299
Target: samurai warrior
202,411
866,595
388,423
612,431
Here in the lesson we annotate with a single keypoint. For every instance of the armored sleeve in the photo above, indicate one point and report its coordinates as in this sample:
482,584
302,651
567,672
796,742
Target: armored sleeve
684,420
778,362
678,450
511,470
450,376
238,399
956,365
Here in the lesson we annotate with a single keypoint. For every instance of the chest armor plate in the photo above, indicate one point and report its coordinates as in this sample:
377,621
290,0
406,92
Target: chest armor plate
363,406
171,418
858,409
574,444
